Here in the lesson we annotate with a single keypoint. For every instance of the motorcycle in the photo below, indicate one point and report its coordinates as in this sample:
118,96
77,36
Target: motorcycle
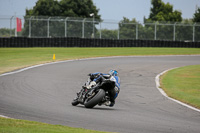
96,95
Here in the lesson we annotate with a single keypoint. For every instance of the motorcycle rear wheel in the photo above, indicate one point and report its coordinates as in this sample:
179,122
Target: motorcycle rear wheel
95,100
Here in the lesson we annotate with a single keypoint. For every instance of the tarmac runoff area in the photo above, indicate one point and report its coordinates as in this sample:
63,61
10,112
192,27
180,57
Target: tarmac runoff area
44,93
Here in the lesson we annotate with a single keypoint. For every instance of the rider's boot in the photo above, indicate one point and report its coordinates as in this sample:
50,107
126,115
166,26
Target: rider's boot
112,104
109,103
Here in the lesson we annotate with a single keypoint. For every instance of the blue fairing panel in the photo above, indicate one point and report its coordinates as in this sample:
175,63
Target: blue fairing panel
117,81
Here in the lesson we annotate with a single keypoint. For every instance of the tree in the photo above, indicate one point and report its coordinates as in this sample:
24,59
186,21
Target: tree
67,8
184,30
163,12
108,34
127,28
78,8
44,8
5,32
63,8
196,17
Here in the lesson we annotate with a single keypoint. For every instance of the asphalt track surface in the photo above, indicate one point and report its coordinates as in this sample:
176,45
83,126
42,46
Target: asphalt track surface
45,93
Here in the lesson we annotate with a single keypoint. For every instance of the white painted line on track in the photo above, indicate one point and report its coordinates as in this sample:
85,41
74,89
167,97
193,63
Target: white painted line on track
4,116
157,80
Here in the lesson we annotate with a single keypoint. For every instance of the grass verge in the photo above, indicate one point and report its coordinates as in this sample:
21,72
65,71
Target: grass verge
16,58
23,126
183,84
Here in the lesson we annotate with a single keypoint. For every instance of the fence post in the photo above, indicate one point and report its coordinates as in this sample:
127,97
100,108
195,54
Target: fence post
93,27
66,26
100,30
30,26
118,30
11,25
136,31
155,31
194,32
174,31
15,25
83,27
48,26
92,15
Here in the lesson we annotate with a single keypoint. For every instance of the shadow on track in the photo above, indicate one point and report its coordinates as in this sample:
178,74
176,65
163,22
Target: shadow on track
96,108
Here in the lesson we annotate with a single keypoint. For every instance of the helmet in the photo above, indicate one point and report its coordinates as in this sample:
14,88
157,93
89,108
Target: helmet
113,72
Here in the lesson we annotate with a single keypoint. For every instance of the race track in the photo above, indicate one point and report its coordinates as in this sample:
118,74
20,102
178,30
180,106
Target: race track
45,93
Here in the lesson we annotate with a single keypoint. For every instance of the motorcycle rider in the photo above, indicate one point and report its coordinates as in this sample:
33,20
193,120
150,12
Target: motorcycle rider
98,77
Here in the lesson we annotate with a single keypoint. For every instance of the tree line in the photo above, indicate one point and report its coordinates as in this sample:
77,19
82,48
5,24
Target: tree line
167,21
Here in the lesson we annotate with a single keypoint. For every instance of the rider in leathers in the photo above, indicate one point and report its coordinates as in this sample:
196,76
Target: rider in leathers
98,77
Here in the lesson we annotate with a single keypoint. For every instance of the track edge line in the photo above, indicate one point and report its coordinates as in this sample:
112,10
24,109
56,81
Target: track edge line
157,80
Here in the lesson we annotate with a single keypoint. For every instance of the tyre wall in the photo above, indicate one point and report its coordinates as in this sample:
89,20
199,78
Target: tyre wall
88,42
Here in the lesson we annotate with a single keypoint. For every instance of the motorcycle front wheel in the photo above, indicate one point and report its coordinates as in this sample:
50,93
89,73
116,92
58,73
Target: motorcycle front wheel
75,102
90,103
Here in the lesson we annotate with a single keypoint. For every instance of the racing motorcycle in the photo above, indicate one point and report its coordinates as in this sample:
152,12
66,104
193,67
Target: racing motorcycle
96,95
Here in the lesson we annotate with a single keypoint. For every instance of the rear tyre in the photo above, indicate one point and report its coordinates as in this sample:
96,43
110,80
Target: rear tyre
95,100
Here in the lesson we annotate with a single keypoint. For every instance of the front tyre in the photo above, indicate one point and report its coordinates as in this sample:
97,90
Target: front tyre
75,102
90,103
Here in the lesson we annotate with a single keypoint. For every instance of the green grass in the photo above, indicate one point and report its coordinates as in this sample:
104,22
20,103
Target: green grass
15,58
183,84
23,126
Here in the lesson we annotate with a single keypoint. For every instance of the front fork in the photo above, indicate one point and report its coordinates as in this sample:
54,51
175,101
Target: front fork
83,94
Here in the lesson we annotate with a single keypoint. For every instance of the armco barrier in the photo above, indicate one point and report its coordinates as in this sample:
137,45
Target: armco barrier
88,42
